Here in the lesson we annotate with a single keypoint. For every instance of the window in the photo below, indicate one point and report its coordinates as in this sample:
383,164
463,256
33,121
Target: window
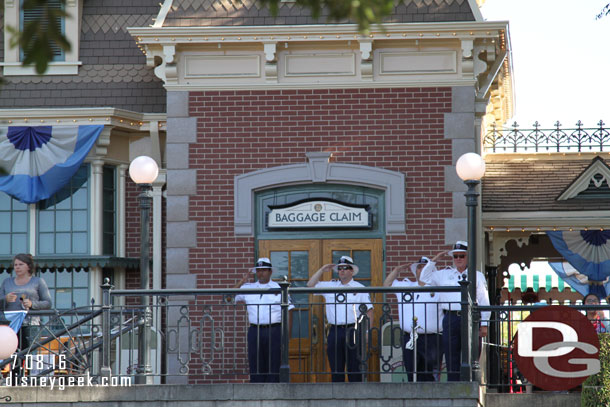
36,13
109,209
63,219
68,287
65,63
13,226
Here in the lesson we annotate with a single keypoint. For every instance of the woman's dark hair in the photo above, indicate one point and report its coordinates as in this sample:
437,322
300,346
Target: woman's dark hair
590,295
27,259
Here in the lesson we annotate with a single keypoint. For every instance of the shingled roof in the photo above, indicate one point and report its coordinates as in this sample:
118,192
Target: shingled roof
188,13
534,184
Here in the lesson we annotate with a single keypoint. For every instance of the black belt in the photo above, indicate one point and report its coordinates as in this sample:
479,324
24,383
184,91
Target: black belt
264,326
344,326
456,313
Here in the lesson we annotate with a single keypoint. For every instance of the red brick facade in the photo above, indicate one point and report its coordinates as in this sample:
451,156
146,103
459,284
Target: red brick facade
242,131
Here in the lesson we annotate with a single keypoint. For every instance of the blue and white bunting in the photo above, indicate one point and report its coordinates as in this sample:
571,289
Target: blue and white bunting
588,252
40,160
15,319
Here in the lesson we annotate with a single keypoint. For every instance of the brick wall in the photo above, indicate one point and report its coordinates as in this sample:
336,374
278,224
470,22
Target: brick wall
242,131
132,232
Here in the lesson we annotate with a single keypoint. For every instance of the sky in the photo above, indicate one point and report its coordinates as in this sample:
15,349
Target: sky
561,59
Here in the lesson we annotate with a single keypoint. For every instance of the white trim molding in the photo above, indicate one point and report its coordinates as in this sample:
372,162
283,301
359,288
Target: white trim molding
318,169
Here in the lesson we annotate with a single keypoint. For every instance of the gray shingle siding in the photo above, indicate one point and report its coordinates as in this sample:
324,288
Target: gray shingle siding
113,71
247,12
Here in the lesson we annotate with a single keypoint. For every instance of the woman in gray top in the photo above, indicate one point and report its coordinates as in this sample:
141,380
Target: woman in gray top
24,292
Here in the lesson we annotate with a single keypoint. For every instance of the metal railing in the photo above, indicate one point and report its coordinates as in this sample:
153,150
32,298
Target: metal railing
555,139
199,336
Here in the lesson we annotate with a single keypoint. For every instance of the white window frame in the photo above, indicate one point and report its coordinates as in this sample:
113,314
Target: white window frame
12,64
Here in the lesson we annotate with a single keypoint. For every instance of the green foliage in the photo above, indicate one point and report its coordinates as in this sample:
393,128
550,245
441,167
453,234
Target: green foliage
40,34
364,12
596,389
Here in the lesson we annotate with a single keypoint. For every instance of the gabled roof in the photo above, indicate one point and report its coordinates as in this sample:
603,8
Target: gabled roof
535,183
593,179
196,13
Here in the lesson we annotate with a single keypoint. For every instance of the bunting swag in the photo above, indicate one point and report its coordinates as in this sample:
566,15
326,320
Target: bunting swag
588,252
42,159
578,281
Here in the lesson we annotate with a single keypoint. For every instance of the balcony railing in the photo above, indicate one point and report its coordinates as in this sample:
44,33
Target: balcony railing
547,140
200,336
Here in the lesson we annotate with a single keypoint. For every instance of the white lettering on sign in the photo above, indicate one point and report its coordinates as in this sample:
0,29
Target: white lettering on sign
314,214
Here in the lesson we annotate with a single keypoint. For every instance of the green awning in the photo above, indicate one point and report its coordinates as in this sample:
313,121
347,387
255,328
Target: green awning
77,262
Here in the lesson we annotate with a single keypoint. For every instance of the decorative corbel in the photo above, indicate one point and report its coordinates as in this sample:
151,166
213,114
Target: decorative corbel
270,62
166,70
467,59
366,60
103,141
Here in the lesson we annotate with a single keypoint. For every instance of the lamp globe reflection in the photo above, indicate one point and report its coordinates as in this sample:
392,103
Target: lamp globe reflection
143,170
8,342
470,166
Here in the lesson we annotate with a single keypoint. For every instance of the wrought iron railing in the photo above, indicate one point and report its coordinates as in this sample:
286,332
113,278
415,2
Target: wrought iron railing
199,336
555,139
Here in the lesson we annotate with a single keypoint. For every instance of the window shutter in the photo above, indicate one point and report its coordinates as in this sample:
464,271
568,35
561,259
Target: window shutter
37,13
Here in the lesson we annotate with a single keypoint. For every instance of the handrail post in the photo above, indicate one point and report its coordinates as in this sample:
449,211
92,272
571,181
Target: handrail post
105,370
466,333
285,366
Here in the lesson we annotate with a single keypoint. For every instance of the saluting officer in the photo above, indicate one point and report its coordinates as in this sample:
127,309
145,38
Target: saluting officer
265,317
450,302
343,315
424,313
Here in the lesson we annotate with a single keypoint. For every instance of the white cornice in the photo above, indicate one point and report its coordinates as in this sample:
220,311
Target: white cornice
342,85
321,32
119,118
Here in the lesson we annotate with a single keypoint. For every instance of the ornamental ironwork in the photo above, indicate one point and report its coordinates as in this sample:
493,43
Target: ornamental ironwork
543,140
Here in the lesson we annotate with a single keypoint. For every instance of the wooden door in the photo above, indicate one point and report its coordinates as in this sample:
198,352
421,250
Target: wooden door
368,256
298,260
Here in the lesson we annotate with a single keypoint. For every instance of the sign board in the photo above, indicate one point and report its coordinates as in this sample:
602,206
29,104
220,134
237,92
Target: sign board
319,214
556,348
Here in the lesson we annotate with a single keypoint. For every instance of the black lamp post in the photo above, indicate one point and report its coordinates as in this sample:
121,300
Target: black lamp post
143,171
470,168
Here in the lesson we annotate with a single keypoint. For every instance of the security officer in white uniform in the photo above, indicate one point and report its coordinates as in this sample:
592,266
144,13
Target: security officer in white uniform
422,311
450,302
343,315
265,317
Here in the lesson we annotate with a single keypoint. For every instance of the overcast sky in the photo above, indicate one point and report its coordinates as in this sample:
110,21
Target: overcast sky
561,59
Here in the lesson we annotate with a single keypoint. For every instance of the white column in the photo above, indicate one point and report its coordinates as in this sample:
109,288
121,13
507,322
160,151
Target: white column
96,228
96,207
32,229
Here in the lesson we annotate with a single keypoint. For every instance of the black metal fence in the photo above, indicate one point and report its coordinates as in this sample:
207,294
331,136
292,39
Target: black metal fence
554,139
201,336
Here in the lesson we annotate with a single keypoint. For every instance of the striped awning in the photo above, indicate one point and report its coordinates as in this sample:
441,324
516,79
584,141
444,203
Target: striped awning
536,282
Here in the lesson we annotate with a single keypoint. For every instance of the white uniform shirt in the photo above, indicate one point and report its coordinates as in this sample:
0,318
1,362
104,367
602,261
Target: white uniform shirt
263,309
451,277
424,306
347,311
